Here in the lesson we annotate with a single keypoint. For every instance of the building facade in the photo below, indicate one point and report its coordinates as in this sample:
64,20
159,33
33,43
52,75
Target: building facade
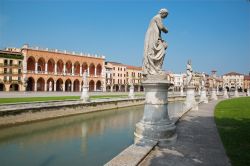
120,76
232,80
246,82
55,70
11,62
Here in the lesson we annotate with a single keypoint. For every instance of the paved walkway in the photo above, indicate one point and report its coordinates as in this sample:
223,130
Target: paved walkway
198,142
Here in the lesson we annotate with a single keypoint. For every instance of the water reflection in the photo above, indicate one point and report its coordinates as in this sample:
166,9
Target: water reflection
87,139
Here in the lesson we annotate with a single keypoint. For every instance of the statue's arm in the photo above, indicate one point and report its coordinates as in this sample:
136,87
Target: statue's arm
161,26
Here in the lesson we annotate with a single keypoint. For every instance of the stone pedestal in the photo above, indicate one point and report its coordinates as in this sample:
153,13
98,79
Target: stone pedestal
248,92
213,94
155,124
131,94
182,94
203,96
225,94
85,94
236,93
190,99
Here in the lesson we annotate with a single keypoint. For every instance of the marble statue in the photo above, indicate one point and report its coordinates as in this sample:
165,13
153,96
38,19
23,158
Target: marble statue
189,73
154,45
203,79
50,86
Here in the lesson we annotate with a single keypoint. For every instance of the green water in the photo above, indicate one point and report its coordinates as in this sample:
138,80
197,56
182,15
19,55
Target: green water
86,139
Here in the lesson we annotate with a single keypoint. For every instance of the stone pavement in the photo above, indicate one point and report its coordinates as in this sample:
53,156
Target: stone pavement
198,142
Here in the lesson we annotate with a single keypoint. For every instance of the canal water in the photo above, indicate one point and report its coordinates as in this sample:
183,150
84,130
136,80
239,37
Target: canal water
86,139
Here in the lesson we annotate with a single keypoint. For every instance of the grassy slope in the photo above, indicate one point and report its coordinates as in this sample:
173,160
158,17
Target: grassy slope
233,121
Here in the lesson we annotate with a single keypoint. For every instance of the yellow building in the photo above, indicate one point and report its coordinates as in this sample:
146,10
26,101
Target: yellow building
11,71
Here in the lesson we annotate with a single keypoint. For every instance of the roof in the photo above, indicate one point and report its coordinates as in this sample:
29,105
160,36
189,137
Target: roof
115,63
11,55
246,77
133,67
232,73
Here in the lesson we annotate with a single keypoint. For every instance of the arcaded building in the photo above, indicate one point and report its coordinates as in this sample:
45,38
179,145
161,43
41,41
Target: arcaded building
55,70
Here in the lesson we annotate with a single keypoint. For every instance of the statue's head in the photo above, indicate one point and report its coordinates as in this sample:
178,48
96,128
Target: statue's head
163,12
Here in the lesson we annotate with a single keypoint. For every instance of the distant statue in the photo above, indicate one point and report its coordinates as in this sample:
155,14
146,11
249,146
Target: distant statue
85,80
203,80
50,86
154,45
189,73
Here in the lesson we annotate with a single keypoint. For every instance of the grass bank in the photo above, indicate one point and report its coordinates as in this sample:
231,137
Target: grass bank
233,122
34,99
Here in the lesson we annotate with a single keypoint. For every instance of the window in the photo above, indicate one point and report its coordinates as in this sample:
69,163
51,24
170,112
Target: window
113,74
10,78
5,70
118,81
113,81
19,63
124,75
19,71
11,62
10,71
113,68
5,62
19,78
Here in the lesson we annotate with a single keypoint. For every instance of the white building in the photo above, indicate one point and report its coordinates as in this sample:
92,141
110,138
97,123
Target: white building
233,79
178,81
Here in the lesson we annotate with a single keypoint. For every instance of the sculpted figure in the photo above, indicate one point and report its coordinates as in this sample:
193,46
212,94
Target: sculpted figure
189,73
154,45
203,79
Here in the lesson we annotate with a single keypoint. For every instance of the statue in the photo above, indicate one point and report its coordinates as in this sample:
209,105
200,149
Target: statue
154,45
203,79
189,73
50,86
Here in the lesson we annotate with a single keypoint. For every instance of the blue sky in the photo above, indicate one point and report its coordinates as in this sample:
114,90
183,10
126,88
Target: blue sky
214,34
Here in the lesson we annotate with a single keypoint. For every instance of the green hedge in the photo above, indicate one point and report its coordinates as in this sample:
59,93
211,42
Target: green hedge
11,56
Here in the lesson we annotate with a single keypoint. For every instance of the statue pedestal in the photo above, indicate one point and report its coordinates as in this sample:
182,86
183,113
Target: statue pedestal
213,94
155,124
225,94
85,94
236,94
190,99
248,92
131,94
203,97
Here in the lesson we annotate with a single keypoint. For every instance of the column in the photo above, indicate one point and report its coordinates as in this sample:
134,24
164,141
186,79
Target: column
55,86
63,86
36,67
35,87
81,70
72,87
45,87
88,71
80,87
95,71
46,68
55,70
95,87
72,68
64,69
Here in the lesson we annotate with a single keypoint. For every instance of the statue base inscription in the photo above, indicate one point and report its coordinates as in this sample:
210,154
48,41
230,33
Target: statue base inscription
155,124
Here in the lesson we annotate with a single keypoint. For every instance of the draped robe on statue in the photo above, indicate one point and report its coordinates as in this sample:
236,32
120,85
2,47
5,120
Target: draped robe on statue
154,47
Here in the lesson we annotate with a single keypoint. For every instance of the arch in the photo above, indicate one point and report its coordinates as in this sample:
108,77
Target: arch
41,64
227,88
92,69
59,84
137,88
59,67
51,65
68,67
77,68
99,70
91,85
108,88
141,88
50,84
116,88
68,85
31,63
122,88
76,85
2,87
14,87
98,85
84,67
30,84
40,84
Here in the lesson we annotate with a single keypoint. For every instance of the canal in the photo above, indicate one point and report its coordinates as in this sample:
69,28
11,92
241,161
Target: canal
86,139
